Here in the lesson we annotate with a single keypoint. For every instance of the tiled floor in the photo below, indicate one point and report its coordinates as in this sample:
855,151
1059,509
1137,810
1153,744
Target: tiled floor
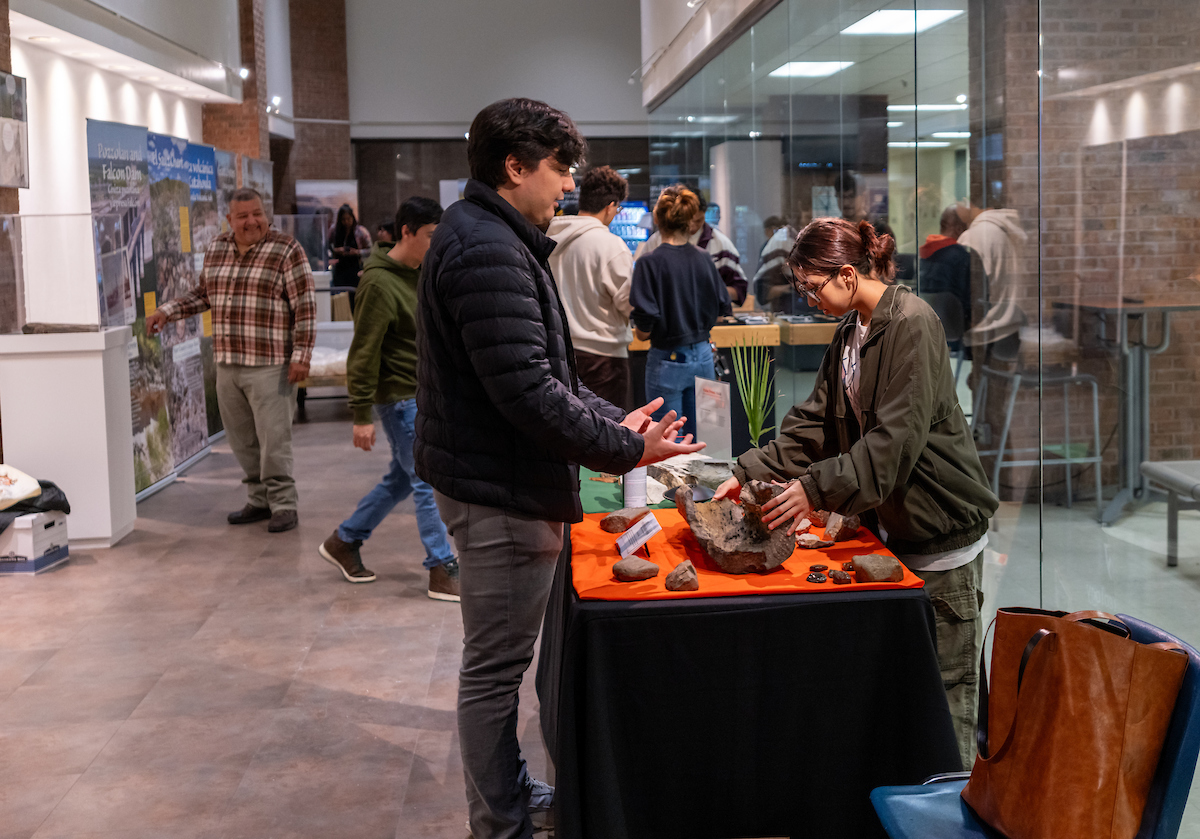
203,681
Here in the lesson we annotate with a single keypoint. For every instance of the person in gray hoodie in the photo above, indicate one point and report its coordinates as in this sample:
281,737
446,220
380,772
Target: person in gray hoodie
593,267
997,237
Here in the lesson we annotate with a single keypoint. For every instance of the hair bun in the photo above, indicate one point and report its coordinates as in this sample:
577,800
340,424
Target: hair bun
880,250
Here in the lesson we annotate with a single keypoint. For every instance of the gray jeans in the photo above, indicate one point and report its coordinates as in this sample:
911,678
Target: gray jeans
506,565
257,405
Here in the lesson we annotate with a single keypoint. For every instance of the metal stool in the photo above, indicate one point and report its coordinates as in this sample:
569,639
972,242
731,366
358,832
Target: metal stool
1029,378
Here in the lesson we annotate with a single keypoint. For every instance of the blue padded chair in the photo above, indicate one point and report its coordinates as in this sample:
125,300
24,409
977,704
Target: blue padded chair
935,810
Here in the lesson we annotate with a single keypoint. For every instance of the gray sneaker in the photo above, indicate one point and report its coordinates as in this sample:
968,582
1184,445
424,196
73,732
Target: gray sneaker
346,557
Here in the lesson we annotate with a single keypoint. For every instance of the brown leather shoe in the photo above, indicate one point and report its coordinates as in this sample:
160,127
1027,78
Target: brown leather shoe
346,557
249,514
283,520
443,582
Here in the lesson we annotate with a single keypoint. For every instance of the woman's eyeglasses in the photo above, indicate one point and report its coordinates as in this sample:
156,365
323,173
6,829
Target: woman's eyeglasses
812,292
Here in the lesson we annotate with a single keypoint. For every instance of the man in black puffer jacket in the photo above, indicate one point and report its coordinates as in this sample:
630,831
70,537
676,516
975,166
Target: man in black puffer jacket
502,422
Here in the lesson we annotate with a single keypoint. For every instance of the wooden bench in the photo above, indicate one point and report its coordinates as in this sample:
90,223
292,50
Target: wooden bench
1181,480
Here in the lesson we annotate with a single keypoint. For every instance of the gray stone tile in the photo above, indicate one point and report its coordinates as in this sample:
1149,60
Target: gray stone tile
227,741
192,690
18,665
393,664
39,706
26,800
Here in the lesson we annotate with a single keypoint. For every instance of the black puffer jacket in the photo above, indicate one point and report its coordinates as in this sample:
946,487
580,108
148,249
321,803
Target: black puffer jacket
501,416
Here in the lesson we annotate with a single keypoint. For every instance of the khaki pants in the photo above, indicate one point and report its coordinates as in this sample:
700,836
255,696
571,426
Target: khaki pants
257,405
956,602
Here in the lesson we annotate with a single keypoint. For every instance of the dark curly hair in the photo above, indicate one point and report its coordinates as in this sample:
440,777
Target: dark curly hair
600,187
529,130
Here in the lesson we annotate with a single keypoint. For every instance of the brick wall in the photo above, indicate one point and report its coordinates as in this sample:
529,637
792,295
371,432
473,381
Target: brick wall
243,128
1084,184
320,98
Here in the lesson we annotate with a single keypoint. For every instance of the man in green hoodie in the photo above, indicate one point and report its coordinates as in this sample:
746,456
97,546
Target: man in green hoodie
381,376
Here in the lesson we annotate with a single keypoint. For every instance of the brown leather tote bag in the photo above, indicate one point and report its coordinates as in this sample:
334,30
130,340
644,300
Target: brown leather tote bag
1071,728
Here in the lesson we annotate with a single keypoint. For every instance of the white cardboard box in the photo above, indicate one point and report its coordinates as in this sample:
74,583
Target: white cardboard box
32,536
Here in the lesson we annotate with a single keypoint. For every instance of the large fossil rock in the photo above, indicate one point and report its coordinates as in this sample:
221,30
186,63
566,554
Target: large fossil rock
734,536
707,473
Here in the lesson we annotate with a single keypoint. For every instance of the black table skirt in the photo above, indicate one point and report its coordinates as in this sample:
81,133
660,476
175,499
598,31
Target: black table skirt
726,717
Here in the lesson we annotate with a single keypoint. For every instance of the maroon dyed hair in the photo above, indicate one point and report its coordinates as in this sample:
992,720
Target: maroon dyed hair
826,244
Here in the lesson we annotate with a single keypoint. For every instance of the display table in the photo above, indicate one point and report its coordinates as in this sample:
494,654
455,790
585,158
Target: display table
66,417
712,718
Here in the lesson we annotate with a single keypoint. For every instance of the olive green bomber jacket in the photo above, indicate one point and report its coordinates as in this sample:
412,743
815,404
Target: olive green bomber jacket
913,463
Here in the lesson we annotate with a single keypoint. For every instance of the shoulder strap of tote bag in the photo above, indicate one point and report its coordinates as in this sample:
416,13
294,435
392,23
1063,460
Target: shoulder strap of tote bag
981,722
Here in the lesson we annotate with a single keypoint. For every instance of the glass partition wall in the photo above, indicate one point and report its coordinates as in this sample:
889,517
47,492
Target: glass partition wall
1067,136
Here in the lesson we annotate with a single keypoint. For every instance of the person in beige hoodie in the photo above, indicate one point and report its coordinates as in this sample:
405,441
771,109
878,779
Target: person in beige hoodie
593,267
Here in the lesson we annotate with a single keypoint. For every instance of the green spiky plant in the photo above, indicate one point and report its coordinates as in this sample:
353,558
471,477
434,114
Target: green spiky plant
752,367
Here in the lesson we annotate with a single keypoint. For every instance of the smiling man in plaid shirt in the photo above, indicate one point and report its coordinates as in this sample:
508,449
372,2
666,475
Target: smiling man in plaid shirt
259,286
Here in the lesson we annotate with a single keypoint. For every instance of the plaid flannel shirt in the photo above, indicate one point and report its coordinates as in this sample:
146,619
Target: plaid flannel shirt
263,302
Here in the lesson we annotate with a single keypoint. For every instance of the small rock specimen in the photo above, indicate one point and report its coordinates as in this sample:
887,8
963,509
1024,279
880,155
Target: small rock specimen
803,526
816,578
847,566
634,568
733,535
840,578
811,541
818,568
819,517
839,528
683,578
877,568
622,520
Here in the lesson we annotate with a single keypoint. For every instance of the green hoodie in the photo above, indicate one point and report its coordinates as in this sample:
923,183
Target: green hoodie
382,365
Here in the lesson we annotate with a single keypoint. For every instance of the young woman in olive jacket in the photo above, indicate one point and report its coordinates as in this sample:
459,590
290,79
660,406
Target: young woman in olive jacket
883,435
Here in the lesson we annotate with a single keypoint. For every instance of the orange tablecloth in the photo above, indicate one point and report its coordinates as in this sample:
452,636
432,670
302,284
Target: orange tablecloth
594,552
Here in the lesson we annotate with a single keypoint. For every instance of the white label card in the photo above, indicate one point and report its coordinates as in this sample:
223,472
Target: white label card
641,532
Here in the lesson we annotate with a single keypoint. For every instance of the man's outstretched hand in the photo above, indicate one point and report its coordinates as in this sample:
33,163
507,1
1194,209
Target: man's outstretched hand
659,437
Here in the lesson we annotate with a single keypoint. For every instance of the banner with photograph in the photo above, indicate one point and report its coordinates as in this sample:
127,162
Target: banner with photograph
259,175
120,192
204,166
175,274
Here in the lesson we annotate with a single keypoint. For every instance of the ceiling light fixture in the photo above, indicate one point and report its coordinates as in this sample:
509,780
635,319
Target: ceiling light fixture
809,69
895,123
952,135
276,101
120,68
175,87
921,144
150,78
900,22
925,108
43,39
711,119
244,73
695,4
962,97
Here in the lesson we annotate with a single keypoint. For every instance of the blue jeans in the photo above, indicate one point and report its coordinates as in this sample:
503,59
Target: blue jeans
398,420
674,379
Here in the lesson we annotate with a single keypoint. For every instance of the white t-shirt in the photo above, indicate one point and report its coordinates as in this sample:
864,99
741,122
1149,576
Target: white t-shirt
946,560
851,358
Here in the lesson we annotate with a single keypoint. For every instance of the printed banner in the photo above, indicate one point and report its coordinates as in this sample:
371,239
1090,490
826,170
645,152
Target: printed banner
205,168
175,274
120,192
227,182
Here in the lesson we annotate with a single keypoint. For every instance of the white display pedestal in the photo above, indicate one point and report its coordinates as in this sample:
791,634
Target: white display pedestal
65,410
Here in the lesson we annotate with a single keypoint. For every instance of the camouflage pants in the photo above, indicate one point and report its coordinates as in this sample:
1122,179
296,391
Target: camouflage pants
957,600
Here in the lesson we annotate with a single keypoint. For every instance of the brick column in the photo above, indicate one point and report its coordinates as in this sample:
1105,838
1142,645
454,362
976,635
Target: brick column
320,98
243,128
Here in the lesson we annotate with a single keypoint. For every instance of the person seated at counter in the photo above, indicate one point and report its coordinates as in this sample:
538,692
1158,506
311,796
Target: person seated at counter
677,296
883,435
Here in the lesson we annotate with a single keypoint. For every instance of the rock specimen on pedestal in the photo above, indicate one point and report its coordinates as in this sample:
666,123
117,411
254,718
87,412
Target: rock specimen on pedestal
839,528
622,520
811,541
734,536
683,578
634,568
877,568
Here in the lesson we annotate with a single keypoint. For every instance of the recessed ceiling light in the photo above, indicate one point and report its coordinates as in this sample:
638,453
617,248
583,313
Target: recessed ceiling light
711,119
952,135
922,144
43,38
810,69
895,124
962,97
900,21
120,68
150,78
275,100
90,55
174,87
244,73
926,107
